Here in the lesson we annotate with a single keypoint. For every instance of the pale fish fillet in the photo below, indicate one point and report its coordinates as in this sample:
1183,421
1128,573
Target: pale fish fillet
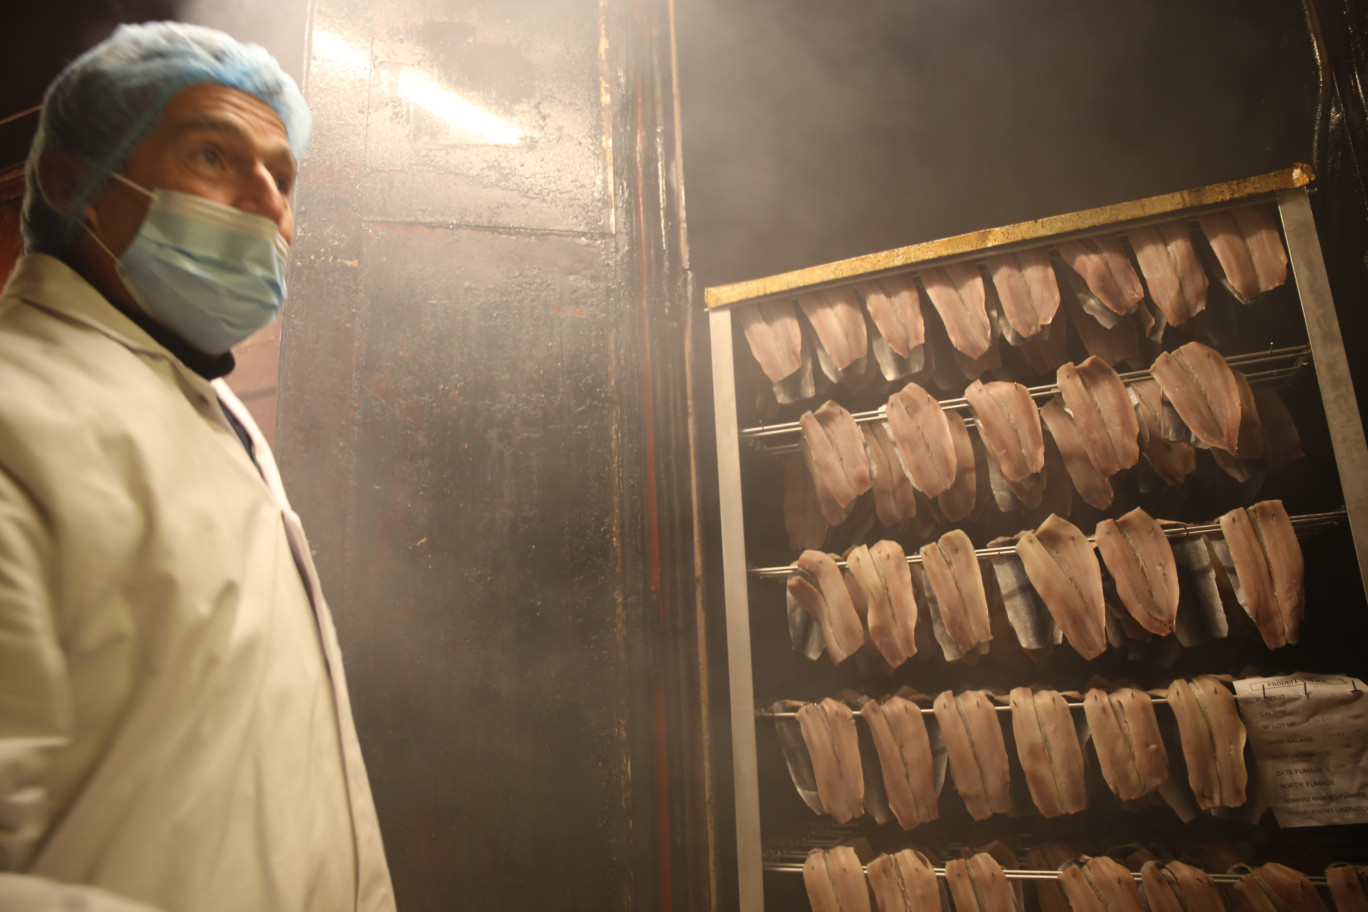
835,881
904,882
1203,390
977,752
1213,741
1109,882
1009,426
904,748
1094,487
961,886
833,744
845,437
891,563
1079,890
894,497
1347,888
920,432
894,306
836,318
1171,460
891,634
1245,895
829,605
835,491
1179,887
803,519
1290,887
1135,711
1050,856
959,297
1103,264
775,338
1027,287
1103,412
951,568
990,884
1116,343
1177,282
1064,571
1248,249
1269,569
1048,749
957,502
1140,560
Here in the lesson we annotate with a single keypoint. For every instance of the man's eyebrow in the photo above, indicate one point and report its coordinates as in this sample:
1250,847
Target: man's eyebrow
210,122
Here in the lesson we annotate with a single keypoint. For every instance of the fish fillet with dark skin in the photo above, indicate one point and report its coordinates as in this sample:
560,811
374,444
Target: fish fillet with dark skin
1009,426
959,297
1103,412
833,744
835,881
1103,264
894,497
904,882
1027,287
951,567
1063,569
904,748
920,432
977,752
1213,740
1269,569
1125,732
1140,560
1048,749
1172,460
828,603
1168,259
1100,885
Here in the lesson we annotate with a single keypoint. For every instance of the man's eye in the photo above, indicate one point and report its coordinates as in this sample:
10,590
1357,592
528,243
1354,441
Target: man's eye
211,156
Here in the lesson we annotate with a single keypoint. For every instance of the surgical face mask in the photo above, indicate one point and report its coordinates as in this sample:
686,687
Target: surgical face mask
210,273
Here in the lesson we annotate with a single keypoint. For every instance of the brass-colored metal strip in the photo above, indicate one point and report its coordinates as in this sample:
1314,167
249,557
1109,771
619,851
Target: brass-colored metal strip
903,257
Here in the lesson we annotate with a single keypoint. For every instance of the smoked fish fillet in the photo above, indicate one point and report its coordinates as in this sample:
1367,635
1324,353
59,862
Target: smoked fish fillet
1203,390
1168,260
979,884
833,744
834,451
1027,287
828,603
904,748
885,583
1125,732
1103,412
958,501
977,752
1050,856
904,882
835,881
1140,560
1100,885
1347,887
1288,886
1094,487
1048,749
775,338
1179,887
1171,460
1213,739
1009,426
1269,569
894,497
1064,571
894,306
839,324
1106,269
952,570
920,432
959,297
1248,248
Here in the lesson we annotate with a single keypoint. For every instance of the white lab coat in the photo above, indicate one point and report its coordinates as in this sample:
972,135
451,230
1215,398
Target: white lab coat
174,724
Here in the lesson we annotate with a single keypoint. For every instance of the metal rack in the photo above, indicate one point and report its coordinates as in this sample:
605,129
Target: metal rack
1288,190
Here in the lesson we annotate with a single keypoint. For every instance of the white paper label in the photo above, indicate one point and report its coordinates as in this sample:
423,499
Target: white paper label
1308,735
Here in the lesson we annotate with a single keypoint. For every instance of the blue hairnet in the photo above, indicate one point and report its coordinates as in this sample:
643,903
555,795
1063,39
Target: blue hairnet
106,102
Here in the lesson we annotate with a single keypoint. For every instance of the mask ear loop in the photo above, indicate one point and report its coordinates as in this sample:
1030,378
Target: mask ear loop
85,223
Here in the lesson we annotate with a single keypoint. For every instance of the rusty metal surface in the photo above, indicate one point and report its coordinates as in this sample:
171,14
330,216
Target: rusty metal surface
891,260
483,424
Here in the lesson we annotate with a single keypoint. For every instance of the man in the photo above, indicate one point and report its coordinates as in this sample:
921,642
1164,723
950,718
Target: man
175,731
